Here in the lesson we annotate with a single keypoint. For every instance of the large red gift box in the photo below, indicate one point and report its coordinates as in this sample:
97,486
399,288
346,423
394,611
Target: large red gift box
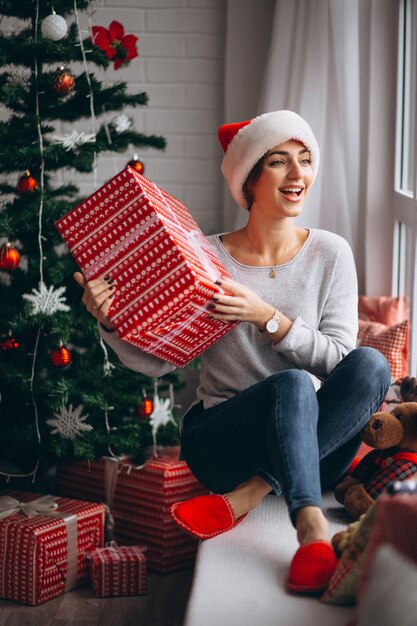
164,269
118,571
43,551
140,501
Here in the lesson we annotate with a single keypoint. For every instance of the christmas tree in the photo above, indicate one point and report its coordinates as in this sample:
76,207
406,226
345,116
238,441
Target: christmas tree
62,394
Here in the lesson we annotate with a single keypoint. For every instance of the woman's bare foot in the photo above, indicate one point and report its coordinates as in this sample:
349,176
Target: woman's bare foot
311,525
248,495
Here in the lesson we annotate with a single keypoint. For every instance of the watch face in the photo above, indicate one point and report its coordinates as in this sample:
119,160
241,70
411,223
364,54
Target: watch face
272,325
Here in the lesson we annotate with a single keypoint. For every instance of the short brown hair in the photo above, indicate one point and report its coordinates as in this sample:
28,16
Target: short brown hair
252,178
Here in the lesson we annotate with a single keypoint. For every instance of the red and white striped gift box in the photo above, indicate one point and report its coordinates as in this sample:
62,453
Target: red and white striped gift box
118,571
141,500
164,269
43,555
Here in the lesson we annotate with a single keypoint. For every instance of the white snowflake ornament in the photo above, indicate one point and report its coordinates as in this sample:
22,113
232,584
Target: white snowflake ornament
122,123
74,140
162,413
69,422
46,300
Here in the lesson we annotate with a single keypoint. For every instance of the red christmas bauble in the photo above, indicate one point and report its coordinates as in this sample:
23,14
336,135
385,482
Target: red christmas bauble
27,184
63,81
61,356
9,257
9,344
137,165
146,408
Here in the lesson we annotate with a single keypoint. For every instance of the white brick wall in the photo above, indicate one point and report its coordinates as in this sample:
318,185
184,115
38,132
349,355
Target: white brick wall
180,67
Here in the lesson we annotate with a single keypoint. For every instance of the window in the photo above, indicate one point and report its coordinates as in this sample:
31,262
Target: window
405,193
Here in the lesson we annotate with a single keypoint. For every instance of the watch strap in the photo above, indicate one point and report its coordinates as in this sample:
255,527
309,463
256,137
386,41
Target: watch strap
275,316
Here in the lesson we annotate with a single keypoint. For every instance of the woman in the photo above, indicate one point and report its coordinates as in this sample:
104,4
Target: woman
259,424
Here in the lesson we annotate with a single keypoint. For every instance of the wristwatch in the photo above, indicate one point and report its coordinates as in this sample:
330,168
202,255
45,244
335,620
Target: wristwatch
272,325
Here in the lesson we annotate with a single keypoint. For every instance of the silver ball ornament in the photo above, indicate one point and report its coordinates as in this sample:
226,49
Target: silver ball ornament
54,27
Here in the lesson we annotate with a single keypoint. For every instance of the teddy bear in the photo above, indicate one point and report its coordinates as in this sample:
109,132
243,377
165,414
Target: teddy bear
394,457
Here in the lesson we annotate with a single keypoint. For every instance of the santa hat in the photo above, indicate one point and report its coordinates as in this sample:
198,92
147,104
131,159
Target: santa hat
244,143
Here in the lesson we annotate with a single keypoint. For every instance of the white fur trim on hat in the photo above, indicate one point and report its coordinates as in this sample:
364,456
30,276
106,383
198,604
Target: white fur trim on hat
255,139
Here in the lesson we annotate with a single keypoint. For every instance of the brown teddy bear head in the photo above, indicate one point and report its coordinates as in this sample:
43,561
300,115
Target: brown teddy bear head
398,428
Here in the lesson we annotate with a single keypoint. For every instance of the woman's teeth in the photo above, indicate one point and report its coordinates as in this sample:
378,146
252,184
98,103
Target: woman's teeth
289,190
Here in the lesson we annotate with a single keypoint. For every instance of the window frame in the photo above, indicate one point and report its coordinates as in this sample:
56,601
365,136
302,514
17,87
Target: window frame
404,281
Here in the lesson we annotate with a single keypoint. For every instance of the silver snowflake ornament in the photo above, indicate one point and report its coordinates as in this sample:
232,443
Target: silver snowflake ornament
69,423
46,300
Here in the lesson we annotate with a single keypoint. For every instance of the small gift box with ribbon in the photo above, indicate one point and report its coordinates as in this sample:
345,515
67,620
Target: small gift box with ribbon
139,498
118,570
43,544
164,269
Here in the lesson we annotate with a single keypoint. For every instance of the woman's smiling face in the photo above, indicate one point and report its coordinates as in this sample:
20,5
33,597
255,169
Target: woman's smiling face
285,179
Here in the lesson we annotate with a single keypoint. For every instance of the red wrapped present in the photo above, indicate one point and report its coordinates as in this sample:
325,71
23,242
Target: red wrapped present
164,269
43,544
118,571
140,499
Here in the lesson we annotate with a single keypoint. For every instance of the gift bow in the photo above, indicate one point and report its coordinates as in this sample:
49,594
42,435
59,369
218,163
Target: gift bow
45,505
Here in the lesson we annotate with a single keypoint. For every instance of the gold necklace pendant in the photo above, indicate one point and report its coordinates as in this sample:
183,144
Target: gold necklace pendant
272,274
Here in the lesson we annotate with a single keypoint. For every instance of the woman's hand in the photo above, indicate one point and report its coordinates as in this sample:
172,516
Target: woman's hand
242,306
97,297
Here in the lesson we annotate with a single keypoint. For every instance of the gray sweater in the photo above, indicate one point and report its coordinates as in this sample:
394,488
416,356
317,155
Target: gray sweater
317,290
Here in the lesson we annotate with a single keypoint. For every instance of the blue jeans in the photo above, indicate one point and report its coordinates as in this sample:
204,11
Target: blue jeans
300,441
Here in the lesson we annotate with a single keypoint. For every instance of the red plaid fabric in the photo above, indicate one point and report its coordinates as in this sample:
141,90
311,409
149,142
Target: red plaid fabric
395,524
379,468
392,341
342,583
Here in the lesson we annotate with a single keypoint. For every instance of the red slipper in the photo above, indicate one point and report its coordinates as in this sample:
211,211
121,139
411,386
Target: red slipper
205,516
312,568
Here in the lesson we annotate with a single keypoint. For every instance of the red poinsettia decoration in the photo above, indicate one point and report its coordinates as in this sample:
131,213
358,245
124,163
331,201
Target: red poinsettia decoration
115,44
